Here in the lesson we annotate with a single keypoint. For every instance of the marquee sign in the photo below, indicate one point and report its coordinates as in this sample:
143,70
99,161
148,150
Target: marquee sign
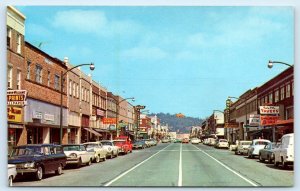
16,97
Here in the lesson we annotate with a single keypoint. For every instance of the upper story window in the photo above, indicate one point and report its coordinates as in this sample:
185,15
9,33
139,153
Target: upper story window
282,93
18,79
49,78
288,91
9,77
293,88
28,70
74,89
70,87
88,96
38,73
19,41
77,91
276,96
8,36
56,82
271,98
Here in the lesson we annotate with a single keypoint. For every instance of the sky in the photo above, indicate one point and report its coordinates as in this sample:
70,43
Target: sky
184,59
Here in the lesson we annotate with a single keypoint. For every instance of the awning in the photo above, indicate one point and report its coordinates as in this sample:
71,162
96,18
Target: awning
94,132
285,122
101,130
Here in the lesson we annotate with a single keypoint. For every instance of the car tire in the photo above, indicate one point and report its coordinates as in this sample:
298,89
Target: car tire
97,159
276,163
59,170
79,163
39,173
89,163
10,181
261,159
269,159
284,164
112,155
249,155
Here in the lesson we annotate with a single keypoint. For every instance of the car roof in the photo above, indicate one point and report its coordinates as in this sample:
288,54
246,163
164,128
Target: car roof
36,145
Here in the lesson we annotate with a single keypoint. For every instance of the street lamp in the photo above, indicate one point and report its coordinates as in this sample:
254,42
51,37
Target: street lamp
92,67
117,111
270,64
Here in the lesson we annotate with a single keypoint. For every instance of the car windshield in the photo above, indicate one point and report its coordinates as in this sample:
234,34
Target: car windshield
106,143
222,140
261,143
118,142
27,151
90,146
71,148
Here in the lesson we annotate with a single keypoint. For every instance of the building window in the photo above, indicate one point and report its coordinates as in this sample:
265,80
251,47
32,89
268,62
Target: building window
77,92
271,98
288,91
38,73
18,79
8,37
282,93
293,88
49,78
9,77
74,89
88,96
70,87
19,43
28,70
290,113
276,96
82,91
56,82
266,100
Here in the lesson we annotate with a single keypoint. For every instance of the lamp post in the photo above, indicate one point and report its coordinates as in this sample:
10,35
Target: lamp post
270,64
92,67
245,103
117,111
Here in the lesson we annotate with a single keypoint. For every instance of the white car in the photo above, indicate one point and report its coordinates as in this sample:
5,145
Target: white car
222,143
111,148
284,154
242,147
11,173
255,146
195,141
98,150
77,154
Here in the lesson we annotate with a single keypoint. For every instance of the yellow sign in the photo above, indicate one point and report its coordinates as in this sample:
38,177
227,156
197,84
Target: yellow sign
14,114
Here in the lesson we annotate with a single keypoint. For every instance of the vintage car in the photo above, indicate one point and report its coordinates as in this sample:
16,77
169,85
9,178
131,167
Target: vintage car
11,173
165,140
124,143
222,143
139,144
195,140
284,154
242,147
111,148
77,155
255,146
100,153
185,140
38,159
267,152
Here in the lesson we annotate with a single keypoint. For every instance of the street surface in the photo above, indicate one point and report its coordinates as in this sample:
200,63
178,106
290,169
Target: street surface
172,164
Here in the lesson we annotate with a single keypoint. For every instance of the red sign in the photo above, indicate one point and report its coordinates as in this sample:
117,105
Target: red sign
109,121
268,120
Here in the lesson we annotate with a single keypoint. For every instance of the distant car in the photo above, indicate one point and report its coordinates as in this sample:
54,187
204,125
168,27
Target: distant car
98,150
242,147
11,173
267,152
78,155
195,141
222,143
177,141
140,144
255,146
111,148
185,140
284,154
212,141
165,140
38,159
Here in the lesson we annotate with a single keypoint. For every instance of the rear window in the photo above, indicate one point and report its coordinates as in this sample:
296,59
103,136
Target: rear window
261,143
106,143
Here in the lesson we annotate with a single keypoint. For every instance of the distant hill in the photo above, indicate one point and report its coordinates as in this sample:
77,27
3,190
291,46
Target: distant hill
180,125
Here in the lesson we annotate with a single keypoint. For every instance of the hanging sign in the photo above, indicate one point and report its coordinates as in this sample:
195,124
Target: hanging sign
269,109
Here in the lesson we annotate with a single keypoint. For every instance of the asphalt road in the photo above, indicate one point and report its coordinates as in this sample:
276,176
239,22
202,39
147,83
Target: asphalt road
172,165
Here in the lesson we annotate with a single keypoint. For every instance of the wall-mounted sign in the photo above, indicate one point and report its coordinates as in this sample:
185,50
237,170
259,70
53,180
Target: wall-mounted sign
254,120
268,120
269,109
37,115
49,117
14,114
109,120
100,112
16,97
231,125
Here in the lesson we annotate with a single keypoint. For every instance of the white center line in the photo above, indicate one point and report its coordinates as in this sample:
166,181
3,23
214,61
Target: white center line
126,172
228,168
180,167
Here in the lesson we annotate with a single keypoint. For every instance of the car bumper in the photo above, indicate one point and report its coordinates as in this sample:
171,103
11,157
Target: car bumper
26,170
72,161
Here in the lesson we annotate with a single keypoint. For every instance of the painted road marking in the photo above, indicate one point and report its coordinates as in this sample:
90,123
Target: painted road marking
228,168
180,167
126,172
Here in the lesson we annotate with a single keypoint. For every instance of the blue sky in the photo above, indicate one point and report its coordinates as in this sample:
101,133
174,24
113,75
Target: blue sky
171,59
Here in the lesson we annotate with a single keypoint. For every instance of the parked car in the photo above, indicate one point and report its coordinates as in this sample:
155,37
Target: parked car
177,141
284,154
205,142
98,150
233,146
124,146
185,140
111,148
11,173
195,141
212,141
255,146
165,140
78,155
222,143
267,152
242,147
140,144
38,159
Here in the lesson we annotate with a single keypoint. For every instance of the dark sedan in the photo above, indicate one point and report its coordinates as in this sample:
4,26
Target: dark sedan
139,144
267,152
38,159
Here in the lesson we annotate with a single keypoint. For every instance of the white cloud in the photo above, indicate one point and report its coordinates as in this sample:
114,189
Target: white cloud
153,53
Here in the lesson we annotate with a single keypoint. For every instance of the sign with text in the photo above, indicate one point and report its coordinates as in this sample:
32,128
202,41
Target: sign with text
254,120
231,125
14,114
16,97
109,121
268,120
140,107
269,109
